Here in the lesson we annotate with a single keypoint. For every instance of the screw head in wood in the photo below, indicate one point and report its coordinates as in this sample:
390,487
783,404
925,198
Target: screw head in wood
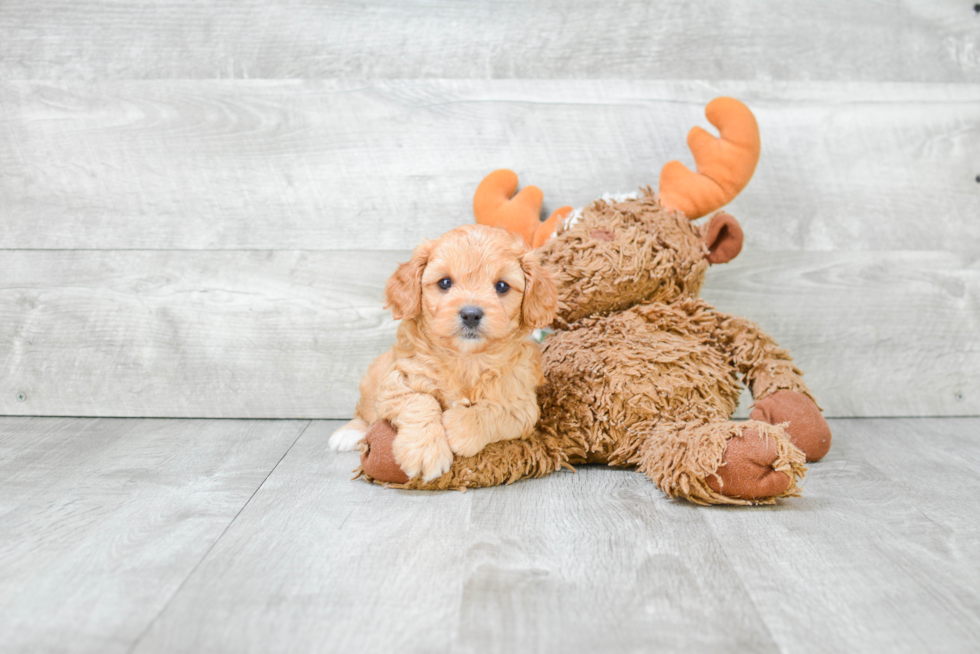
21,397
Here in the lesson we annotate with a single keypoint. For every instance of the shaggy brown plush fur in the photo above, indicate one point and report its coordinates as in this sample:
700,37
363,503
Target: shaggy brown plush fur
640,371
620,254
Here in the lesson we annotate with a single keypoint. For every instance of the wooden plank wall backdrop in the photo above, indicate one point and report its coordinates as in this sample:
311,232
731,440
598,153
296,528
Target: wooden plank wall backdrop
200,202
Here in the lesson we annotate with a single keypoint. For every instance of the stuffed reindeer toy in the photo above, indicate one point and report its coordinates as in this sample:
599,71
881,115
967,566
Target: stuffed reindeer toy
639,371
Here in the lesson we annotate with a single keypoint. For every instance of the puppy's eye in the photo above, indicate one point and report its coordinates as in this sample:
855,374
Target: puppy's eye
445,283
502,287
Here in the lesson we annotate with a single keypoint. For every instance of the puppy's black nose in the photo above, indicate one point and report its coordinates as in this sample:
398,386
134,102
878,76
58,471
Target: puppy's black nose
471,316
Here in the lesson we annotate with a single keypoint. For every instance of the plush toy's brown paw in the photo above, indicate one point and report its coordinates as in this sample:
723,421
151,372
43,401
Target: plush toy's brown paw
807,427
378,460
746,470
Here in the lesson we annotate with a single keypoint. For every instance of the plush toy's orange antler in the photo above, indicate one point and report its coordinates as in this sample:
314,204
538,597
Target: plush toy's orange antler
725,165
495,205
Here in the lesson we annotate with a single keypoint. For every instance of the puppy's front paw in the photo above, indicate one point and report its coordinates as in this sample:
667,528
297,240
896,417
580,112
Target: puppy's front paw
422,451
461,432
345,440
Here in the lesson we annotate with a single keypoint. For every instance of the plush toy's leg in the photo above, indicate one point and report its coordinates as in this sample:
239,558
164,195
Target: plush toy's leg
498,463
721,463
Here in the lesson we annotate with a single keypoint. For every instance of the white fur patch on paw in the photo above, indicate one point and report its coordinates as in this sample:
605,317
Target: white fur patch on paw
345,440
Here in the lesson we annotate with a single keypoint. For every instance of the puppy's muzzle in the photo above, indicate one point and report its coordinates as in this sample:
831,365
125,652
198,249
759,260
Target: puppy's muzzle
471,317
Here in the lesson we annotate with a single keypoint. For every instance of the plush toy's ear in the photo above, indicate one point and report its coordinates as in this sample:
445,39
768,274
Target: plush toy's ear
540,302
723,236
403,292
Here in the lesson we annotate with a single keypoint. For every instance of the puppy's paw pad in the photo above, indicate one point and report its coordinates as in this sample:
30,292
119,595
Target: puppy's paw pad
345,440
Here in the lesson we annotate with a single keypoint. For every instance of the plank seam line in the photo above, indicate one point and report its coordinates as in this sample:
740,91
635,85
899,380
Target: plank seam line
197,565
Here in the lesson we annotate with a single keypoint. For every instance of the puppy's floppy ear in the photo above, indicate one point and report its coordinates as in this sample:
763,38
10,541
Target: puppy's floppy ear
540,301
403,292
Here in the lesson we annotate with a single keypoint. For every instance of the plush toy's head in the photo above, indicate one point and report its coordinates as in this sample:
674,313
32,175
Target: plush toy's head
615,254
618,252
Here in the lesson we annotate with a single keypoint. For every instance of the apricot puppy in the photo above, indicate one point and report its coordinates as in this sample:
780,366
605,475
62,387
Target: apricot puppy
464,369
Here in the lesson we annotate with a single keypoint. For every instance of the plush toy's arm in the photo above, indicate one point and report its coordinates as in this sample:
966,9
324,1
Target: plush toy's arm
781,395
767,368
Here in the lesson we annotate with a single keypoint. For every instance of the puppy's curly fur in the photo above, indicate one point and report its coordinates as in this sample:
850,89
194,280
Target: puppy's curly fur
464,370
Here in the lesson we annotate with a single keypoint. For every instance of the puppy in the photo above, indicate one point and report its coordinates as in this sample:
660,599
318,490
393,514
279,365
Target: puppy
464,369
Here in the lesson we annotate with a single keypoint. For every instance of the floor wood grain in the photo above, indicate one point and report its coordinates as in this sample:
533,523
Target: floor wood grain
600,562
289,334
909,40
911,569
116,546
379,165
591,560
325,564
101,521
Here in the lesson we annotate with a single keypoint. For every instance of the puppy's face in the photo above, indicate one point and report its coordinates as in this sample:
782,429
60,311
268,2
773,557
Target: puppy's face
473,287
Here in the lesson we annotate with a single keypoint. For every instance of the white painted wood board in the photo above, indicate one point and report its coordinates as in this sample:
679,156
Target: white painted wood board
877,333
288,334
378,165
907,40
182,334
369,129
103,520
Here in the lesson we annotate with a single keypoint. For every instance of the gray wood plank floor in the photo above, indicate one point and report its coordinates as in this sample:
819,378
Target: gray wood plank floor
248,536
101,521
